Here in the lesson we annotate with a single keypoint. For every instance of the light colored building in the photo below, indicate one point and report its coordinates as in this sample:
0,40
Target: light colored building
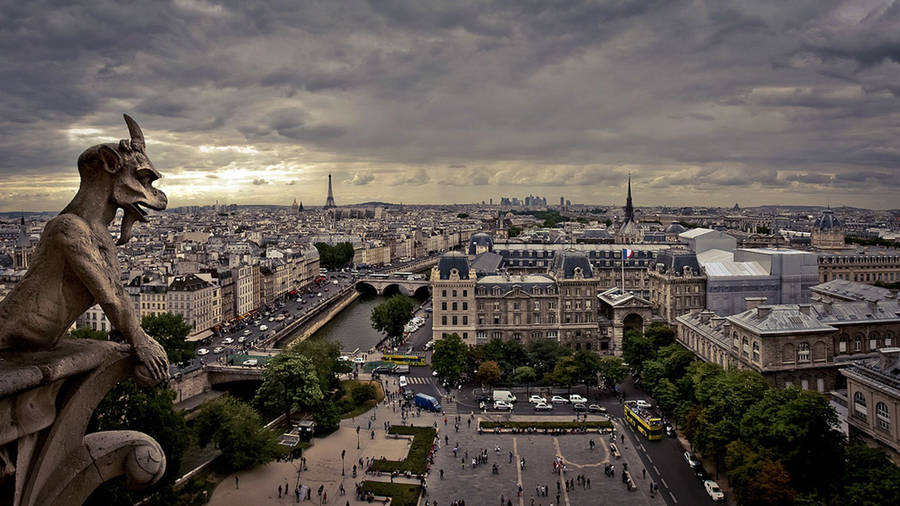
677,286
245,298
873,396
196,300
95,319
863,265
827,231
453,298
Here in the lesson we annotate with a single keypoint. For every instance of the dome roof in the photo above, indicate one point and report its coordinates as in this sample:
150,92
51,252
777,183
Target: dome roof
453,260
828,221
567,262
675,228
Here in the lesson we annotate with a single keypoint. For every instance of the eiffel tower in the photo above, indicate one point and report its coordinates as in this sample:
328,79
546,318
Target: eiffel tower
329,202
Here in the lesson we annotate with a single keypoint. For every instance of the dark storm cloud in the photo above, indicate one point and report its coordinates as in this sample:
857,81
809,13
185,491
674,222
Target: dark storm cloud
752,96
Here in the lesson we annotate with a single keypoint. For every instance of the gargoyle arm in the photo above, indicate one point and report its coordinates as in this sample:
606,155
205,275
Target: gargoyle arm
83,256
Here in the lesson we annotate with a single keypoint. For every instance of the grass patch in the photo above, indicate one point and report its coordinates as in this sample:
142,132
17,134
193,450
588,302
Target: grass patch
350,406
596,424
416,460
401,494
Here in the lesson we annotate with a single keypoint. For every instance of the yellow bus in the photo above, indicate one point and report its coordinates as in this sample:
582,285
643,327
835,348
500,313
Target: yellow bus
405,359
643,420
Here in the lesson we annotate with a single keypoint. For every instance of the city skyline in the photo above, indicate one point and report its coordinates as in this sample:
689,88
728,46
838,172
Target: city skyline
704,103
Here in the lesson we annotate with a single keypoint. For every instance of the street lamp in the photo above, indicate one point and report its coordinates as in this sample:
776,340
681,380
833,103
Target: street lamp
357,437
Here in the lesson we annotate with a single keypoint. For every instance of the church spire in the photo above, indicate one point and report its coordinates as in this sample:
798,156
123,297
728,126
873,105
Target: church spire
629,208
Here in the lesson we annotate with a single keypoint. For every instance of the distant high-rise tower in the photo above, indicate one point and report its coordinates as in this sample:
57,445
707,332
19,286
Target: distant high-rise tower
562,202
329,202
300,209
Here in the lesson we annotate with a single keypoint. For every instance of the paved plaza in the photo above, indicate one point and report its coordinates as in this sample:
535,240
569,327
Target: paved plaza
477,486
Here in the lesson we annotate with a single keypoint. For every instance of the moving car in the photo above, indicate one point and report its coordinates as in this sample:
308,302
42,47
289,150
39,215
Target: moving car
712,489
543,406
580,407
483,397
403,382
382,369
641,403
574,398
503,405
505,396
218,349
691,460
202,351
251,362
558,399
427,402
537,399
596,408
228,340
358,360
670,430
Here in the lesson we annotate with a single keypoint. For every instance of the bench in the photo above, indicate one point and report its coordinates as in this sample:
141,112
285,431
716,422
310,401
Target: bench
615,450
630,482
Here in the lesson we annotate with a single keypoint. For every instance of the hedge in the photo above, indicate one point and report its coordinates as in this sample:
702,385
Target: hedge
595,424
401,494
416,460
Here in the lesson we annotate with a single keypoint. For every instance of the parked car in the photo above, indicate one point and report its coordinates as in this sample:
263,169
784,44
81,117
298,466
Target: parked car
382,369
246,332
218,349
641,403
543,406
691,460
712,489
558,399
537,399
263,328
484,397
400,369
251,362
575,398
228,340
358,360
580,407
202,351
403,383
596,408
242,339
503,405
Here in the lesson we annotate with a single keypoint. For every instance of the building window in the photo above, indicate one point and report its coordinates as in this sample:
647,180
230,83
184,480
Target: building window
465,293
454,306
745,347
455,320
465,320
444,306
888,339
443,293
465,306
481,334
755,351
842,345
857,343
859,405
803,352
496,335
465,335
883,416
443,320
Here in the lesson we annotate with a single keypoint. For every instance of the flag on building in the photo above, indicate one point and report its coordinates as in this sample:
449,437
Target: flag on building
626,253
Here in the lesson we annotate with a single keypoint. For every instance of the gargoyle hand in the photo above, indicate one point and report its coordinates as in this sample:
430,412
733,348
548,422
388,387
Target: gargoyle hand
154,366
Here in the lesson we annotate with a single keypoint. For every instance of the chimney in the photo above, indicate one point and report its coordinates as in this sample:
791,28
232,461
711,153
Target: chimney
763,311
888,357
754,302
805,308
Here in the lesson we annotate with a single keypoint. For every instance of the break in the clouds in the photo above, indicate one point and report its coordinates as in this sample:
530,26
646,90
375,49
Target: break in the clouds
246,101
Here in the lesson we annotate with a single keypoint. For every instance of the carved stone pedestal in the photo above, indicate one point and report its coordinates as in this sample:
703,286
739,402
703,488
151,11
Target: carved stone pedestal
46,401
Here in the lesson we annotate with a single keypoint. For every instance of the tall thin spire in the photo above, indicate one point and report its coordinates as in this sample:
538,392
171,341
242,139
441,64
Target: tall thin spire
329,202
629,208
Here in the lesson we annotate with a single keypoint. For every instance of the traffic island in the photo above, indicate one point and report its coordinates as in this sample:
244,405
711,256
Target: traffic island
398,494
420,451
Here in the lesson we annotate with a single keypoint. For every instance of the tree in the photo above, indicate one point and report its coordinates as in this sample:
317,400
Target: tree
88,333
289,382
513,231
659,335
544,353
588,365
612,370
637,349
449,358
335,257
757,481
151,411
525,375
666,395
488,373
237,430
869,478
390,317
565,372
324,355
171,331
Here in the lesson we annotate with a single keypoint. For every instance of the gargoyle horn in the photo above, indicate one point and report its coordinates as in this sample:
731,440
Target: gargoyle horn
137,136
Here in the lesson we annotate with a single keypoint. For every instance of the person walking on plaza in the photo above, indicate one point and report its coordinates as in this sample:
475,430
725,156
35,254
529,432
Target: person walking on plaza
236,482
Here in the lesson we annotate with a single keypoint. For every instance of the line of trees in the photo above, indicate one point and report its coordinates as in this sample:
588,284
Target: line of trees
544,362
776,446
335,257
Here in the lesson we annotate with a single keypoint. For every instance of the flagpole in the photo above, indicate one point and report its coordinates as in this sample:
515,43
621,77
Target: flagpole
623,272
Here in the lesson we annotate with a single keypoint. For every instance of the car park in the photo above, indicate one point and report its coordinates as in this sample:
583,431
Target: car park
250,362
596,408
712,489
691,460
218,349
503,405
537,399
202,351
579,407
575,398
558,399
543,406
228,340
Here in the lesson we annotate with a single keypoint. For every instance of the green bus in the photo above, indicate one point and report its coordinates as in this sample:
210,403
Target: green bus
643,420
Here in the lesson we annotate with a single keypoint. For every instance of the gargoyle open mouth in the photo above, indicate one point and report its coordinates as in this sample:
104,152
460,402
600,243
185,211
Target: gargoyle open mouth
133,212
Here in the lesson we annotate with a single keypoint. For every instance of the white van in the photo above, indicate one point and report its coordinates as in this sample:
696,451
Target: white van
504,395
403,382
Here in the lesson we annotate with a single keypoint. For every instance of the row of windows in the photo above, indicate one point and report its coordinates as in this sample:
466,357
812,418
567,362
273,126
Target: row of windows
882,414
873,276
465,293
465,306
859,339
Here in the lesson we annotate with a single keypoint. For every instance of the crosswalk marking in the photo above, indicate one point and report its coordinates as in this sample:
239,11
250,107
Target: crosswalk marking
418,380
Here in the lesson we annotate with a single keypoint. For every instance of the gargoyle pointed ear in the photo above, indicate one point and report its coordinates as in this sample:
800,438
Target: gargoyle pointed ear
137,137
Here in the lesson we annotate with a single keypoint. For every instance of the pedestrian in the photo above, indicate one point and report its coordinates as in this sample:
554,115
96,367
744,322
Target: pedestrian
644,472
589,483
236,481
324,497
502,500
279,490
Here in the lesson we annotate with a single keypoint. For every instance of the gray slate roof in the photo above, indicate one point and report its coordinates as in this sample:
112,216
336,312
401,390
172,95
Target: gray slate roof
453,260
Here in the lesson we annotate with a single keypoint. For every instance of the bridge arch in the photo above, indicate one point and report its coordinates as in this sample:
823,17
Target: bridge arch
395,288
366,288
422,292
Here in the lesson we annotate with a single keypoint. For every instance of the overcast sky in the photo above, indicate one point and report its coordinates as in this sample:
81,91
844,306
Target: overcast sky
704,102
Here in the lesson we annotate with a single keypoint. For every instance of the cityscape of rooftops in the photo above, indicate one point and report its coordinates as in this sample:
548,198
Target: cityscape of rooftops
425,252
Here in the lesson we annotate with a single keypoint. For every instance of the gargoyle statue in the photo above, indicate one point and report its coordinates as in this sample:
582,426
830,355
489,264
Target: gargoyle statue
75,264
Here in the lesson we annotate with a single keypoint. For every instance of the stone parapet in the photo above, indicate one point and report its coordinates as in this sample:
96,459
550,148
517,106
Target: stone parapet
46,401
